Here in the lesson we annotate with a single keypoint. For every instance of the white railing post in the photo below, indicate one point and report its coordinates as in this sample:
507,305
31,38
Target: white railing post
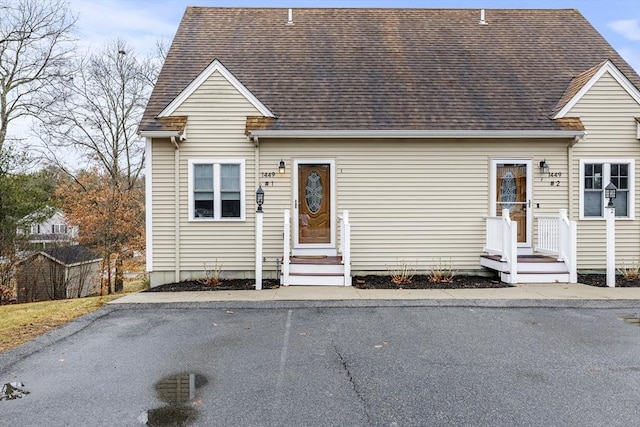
513,250
573,251
510,245
610,217
345,246
259,228
505,235
286,252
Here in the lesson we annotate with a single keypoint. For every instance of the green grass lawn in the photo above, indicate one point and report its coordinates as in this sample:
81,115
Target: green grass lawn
20,323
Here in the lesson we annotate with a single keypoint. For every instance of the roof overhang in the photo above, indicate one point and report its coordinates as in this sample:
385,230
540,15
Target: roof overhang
162,134
422,134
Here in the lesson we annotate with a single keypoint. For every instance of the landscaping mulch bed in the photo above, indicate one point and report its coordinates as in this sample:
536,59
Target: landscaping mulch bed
383,282
224,285
600,280
423,282
361,282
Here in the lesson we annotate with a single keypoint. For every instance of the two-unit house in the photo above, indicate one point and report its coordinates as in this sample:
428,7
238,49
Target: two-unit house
381,136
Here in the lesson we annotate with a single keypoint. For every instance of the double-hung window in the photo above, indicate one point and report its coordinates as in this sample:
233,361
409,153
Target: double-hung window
595,175
59,229
216,189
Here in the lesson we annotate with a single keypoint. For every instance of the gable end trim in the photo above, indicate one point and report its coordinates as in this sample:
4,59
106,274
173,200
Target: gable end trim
615,73
198,81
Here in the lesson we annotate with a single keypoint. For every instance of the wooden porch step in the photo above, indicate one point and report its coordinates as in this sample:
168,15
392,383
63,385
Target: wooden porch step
535,268
317,270
316,260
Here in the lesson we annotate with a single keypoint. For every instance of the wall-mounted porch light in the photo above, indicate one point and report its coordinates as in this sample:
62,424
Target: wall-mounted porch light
260,198
610,193
543,166
281,166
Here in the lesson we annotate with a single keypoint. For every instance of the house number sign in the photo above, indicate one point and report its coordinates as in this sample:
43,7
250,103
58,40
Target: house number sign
555,182
268,175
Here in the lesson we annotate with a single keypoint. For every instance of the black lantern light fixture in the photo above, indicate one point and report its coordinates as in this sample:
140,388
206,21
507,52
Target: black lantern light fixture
281,166
260,198
543,166
610,193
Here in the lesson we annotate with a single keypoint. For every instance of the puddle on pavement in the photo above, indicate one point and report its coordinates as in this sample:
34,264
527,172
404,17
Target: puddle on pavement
634,320
12,391
179,392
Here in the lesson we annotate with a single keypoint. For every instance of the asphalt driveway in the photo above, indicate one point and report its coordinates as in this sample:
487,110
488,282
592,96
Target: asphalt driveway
324,366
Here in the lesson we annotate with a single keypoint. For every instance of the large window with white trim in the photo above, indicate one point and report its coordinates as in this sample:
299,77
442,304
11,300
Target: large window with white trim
595,175
216,189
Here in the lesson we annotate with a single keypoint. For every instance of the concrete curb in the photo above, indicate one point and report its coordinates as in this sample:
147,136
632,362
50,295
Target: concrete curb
43,341
372,303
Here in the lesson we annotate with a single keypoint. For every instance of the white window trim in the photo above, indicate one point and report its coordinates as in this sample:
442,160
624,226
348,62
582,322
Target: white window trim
217,207
605,180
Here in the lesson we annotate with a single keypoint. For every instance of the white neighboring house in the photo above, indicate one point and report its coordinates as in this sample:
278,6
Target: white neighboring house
56,230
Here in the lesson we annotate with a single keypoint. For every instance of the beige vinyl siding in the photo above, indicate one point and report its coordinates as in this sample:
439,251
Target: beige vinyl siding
607,112
410,200
163,204
215,131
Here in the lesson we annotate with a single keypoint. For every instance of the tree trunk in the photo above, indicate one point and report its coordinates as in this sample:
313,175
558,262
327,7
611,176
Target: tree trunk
119,280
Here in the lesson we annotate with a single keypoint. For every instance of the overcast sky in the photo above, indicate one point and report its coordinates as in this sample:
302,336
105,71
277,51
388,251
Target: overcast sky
141,22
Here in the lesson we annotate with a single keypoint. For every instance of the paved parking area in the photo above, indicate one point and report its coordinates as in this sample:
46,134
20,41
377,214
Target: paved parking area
324,366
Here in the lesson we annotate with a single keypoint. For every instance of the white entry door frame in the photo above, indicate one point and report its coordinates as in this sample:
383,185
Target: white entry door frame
511,187
299,246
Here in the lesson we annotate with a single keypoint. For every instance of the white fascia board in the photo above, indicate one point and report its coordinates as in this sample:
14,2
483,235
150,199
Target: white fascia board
163,134
607,67
198,81
458,134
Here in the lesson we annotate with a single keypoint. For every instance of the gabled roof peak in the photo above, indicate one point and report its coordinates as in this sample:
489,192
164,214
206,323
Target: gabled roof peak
580,84
214,66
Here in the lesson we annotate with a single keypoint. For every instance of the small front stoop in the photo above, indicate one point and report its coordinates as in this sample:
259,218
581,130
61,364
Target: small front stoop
530,269
317,271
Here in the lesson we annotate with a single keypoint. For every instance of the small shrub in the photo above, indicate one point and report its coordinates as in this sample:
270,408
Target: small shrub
212,274
402,274
441,272
6,294
632,272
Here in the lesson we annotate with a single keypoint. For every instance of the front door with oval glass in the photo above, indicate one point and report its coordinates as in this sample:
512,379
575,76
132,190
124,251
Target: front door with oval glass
511,189
314,203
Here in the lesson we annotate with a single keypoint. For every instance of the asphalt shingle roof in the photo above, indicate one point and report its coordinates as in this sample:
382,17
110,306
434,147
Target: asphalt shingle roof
72,254
391,69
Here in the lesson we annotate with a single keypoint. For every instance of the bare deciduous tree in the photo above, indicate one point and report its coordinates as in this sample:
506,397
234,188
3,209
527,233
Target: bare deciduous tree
99,114
35,48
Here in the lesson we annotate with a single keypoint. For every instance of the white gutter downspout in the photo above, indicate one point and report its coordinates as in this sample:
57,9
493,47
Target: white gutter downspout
576,139
176,180
149,203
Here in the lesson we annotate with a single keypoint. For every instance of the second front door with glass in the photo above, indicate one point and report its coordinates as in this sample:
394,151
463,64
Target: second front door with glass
511,189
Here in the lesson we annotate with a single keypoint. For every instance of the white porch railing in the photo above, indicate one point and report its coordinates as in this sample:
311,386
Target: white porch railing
286,253
502,239
557,236
345,246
